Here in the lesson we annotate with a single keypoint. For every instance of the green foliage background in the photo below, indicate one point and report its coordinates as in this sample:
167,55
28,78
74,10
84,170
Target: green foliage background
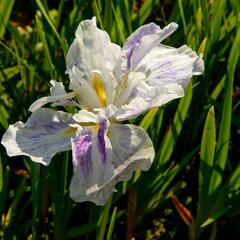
196,139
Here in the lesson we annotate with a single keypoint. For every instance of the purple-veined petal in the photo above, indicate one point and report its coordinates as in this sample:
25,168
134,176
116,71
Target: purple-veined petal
93,167
142,41
102,139
45,133
167,72
82,153
167,65
131,149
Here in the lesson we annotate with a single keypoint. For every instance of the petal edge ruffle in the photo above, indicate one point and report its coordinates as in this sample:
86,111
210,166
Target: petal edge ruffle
45,133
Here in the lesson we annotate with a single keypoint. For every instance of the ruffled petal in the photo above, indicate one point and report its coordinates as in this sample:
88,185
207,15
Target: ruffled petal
45,133
168,65
131,149
144,101
143,40
93,167
92,50
167,72
134,108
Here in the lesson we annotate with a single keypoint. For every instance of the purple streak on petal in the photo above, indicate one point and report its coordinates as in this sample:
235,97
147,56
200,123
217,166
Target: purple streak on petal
83,152
101,139
136,37
65,102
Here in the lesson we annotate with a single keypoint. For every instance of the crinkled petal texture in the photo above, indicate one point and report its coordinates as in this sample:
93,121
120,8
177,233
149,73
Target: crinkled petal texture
142,41
45,133
104,158
161,76
92,49
95,56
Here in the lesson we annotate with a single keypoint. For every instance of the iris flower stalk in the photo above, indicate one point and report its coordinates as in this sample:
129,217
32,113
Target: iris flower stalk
108,85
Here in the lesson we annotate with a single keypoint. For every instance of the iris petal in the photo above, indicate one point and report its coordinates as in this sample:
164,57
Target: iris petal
51,99
45,133
167,72
171,65
59,97
131,149
142,41
93,167
92,50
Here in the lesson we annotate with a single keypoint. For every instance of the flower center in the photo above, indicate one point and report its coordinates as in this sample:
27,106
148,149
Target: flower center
98,86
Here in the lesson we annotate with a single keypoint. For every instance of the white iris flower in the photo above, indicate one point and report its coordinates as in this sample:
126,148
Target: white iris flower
109,85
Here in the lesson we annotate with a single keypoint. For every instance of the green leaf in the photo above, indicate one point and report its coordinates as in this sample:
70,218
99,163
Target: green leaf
112,222
182,16
6,7
107,22
4,190
217,19
148,119
12,210
22,61
207,153
214,217
81,230
169,140
145,11
205,14
45,14
96,8
103,220
119,24
1,174
225,125
36,197
9,73
42,36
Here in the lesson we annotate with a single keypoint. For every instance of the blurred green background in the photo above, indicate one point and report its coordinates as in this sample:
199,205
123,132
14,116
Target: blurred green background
192,190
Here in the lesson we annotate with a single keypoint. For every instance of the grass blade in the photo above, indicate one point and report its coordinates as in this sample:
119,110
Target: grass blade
207,153
6,7
145,11
148,119
182,16
112,223
45,14
216,20
173,132
225,125
103,220
42,36
107,22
